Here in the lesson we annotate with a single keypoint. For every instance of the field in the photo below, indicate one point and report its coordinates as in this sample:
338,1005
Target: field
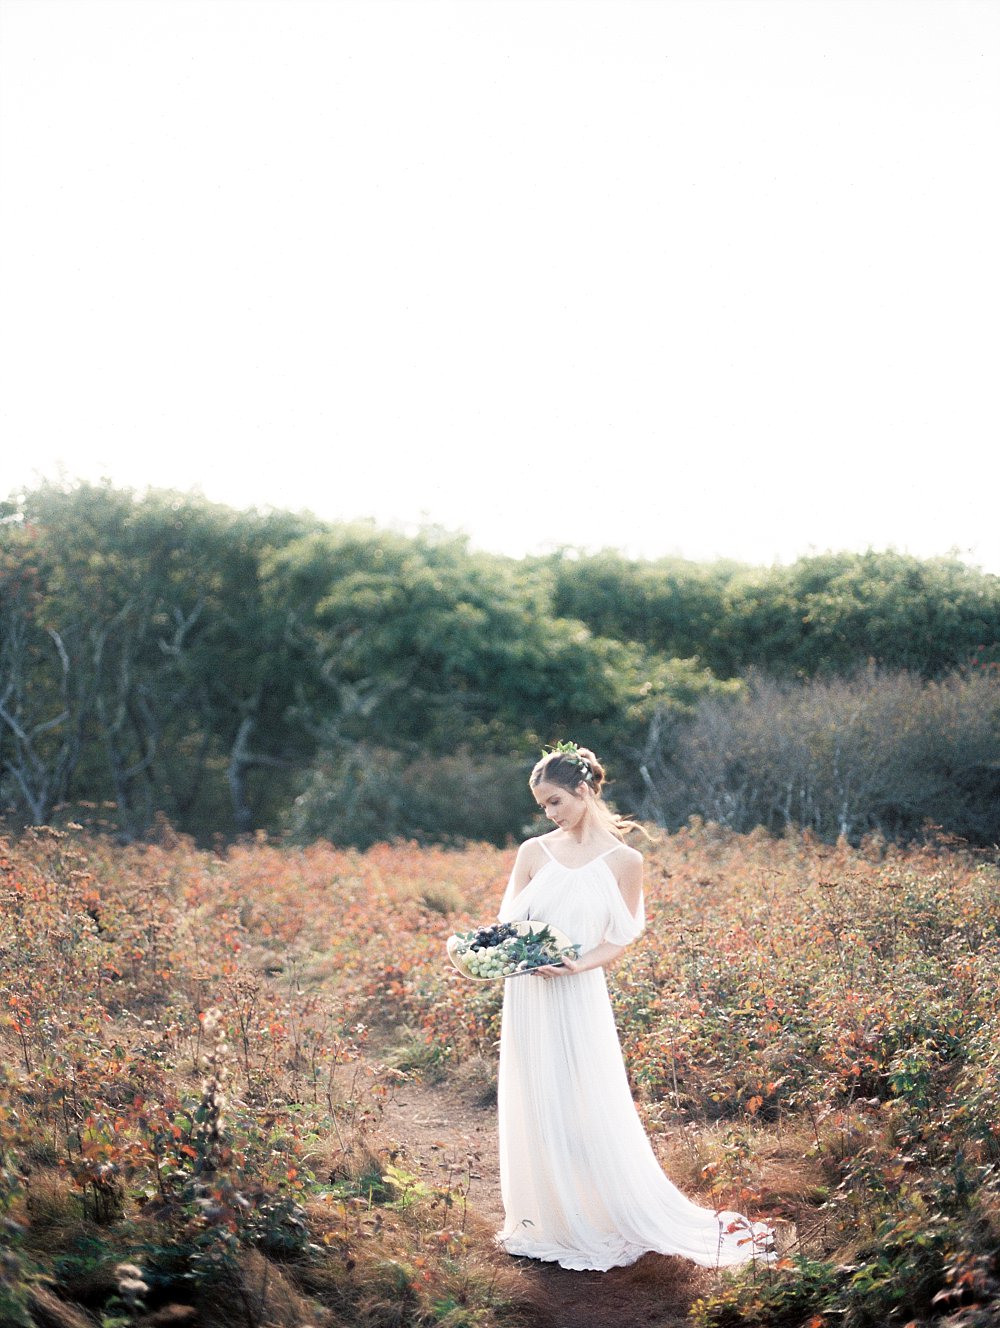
200,1053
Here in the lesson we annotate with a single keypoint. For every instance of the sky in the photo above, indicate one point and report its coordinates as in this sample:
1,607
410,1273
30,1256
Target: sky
708,278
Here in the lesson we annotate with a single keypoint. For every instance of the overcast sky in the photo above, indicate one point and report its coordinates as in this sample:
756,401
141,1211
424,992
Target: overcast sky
716,279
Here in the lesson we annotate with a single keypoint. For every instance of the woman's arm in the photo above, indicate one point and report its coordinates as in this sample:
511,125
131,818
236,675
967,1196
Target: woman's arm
630,881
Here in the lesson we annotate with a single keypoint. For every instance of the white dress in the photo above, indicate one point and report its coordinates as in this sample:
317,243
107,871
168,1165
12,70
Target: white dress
580,1182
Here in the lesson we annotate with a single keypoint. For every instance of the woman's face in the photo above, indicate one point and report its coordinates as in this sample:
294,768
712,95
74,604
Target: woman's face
562,806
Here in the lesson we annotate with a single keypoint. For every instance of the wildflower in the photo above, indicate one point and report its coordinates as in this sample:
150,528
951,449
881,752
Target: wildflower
131,1286
210,1020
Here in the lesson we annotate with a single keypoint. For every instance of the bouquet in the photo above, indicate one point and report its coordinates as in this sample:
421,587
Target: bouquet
509,949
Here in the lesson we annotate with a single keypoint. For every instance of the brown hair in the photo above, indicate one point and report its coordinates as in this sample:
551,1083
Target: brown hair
569,766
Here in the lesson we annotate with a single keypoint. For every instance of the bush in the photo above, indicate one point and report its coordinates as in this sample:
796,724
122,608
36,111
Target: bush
366,795
881,751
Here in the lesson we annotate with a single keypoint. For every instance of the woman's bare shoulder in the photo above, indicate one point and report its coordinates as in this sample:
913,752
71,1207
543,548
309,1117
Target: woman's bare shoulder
626,854
531,851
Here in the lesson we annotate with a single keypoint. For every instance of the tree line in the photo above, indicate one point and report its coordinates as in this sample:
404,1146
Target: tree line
233,671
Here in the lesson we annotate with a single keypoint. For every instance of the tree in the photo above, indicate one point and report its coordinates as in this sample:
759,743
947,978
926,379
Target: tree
175,656
827,613
43,697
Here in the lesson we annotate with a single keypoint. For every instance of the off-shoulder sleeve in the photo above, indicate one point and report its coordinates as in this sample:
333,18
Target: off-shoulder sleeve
513,906
622,926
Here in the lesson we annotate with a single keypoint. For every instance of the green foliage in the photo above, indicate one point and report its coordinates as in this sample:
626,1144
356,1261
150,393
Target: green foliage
920,1266
927,616
143,645
670,605
164,657
434,646
16,1270
447,667
826,613
799,1292
365,795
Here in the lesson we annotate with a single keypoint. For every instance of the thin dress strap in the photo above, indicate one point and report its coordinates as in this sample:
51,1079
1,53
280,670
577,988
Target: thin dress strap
613,849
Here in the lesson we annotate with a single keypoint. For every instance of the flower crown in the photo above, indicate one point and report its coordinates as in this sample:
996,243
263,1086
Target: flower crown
572,754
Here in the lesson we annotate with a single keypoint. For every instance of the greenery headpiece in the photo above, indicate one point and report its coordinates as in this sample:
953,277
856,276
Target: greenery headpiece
571,753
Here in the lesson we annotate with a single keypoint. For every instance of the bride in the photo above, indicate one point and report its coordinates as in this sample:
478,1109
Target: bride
580,1182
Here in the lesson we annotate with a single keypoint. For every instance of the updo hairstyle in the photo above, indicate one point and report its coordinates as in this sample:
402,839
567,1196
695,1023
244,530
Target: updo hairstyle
569,766
569,770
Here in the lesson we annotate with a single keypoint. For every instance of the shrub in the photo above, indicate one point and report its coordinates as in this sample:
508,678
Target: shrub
880,751
365,795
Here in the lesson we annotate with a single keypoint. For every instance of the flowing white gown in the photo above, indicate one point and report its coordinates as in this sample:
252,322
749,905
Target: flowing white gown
580,1182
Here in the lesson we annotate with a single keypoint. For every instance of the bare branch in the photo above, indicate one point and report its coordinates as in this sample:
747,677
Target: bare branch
182,625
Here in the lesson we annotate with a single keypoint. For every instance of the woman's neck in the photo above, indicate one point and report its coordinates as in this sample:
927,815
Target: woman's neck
588,831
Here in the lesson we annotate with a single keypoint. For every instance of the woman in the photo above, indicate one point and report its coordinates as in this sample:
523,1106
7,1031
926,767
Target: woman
580,1182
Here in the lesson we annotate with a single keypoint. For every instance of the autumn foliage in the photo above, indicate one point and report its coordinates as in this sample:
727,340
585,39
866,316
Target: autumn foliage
196,1048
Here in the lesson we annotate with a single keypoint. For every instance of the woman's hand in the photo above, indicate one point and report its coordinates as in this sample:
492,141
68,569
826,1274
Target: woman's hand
560,970
605,953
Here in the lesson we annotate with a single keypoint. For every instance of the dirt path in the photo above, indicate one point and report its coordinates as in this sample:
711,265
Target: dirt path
446,1134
